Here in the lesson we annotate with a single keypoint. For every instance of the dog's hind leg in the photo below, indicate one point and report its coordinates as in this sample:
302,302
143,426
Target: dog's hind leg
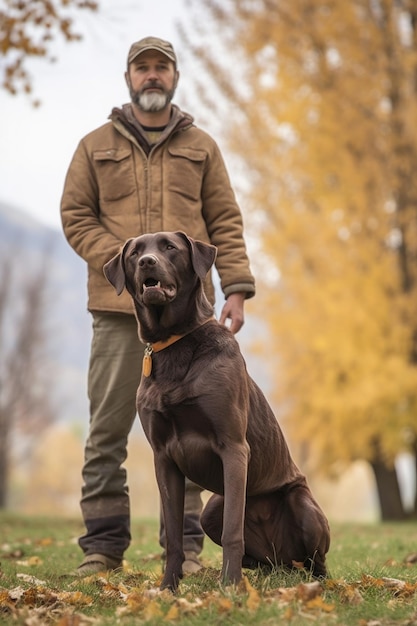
212,523
313,533
287,528
212,518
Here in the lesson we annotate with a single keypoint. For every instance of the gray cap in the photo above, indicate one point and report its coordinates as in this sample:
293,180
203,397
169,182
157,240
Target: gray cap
151,43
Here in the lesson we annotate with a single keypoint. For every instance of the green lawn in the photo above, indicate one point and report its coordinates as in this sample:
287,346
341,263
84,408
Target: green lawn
370,582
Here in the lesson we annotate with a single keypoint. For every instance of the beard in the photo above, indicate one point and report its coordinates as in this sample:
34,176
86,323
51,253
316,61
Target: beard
151,101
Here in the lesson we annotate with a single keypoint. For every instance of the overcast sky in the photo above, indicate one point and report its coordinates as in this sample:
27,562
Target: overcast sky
77,94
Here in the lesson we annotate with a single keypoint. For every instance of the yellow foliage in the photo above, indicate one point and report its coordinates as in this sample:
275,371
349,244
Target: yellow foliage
326,132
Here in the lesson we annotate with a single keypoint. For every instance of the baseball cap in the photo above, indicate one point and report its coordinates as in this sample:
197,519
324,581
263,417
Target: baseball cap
151,43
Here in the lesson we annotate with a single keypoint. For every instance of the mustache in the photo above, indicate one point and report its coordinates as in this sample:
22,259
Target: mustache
152,84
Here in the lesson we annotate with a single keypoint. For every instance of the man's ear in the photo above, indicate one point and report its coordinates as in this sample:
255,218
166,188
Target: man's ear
176,79
114,270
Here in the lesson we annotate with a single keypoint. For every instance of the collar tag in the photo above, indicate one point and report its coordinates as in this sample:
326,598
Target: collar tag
147,360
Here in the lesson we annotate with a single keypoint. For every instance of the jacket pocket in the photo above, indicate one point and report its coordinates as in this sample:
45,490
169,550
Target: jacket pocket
114,173
186,171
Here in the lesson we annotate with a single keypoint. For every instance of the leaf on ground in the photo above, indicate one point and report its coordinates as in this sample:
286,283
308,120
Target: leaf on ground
411,559
8,553
348,592
44,542
31,561
188,607
284,594
309,591
173,614
32,580
318,603
152,610
75,597
397,586
253,601
224,605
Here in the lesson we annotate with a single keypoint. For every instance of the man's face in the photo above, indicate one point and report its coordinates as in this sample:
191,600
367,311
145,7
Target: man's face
152,80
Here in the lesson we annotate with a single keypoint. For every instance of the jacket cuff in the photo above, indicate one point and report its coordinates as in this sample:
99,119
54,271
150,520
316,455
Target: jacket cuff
247,288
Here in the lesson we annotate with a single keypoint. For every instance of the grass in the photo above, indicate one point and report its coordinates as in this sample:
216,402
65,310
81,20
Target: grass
370,584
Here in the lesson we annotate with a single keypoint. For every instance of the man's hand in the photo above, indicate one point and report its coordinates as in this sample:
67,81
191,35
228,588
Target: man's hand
233,310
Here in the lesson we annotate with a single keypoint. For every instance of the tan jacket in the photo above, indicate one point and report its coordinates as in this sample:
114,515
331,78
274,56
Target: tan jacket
114,190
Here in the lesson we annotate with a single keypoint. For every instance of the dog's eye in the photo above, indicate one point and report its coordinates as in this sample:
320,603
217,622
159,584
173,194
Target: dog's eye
134,253
170,246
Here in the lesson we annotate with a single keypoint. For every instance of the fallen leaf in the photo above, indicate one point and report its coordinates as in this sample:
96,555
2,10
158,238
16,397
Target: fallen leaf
224,605
173,614
69,620
411,558
46,541
286,594
318,603
32,580
75,597
254,599
152,610
6,601
31,561
308,591
350,595
187,607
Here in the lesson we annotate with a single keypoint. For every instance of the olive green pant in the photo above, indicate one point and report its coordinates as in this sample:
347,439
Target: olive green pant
114,376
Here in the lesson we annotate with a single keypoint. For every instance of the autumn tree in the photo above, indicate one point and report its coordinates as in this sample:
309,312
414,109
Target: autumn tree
28,29
26,383
319,103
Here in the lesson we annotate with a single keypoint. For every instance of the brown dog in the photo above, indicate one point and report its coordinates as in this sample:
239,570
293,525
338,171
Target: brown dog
206,419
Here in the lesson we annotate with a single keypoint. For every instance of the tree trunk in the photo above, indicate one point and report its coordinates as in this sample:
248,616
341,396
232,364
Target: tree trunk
388,488
4,463
414,447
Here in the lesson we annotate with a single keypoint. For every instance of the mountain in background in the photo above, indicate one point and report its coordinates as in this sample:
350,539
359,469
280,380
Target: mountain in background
68,325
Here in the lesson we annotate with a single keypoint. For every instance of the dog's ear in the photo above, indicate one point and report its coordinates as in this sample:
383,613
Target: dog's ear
203,255
114,270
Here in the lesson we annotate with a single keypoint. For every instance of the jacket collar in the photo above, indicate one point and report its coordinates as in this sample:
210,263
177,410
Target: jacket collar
125,116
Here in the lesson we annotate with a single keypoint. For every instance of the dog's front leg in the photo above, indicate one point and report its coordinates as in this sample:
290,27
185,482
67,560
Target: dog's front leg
171,483
235,470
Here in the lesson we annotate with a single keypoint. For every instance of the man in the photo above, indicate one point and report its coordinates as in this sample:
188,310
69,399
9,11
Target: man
148,169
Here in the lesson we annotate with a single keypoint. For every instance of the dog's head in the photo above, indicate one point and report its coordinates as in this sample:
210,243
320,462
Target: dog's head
163,272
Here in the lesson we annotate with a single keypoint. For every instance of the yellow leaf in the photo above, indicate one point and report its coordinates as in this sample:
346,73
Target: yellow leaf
152,610
5,600
224,605
75,597
318,603
173,614
254,599
286,594
46,541
31,561
350,595
288,614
